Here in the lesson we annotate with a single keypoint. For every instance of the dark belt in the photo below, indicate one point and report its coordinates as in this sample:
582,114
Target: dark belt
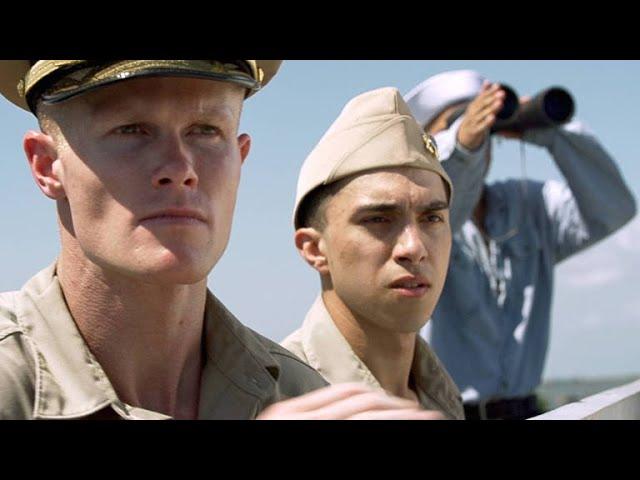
503,409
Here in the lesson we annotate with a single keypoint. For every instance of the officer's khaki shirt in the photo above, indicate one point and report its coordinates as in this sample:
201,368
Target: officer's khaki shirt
319,343
48,372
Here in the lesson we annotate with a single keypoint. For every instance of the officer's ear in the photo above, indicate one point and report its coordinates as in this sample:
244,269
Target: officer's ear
244,144
310,245
42,155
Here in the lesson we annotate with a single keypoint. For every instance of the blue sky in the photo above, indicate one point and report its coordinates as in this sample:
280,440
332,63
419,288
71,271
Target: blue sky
596,313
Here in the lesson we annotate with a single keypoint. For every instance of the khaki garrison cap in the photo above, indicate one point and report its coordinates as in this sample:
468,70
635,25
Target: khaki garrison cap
375,130
23,82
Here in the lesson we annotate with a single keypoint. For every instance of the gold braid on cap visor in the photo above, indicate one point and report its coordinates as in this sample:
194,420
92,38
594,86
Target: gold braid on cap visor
53,81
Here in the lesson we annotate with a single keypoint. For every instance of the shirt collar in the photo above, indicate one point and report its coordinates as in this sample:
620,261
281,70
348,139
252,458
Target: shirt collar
235,356
70,383
328,351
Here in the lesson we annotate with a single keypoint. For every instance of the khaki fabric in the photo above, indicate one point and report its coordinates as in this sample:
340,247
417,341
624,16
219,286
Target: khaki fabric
374,130
320,344
48,372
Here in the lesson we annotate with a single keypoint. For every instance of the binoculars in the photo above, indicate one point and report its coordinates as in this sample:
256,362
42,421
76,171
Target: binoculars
553,106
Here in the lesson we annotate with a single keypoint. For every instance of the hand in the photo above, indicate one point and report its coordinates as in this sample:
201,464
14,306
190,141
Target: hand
347,401
480,116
